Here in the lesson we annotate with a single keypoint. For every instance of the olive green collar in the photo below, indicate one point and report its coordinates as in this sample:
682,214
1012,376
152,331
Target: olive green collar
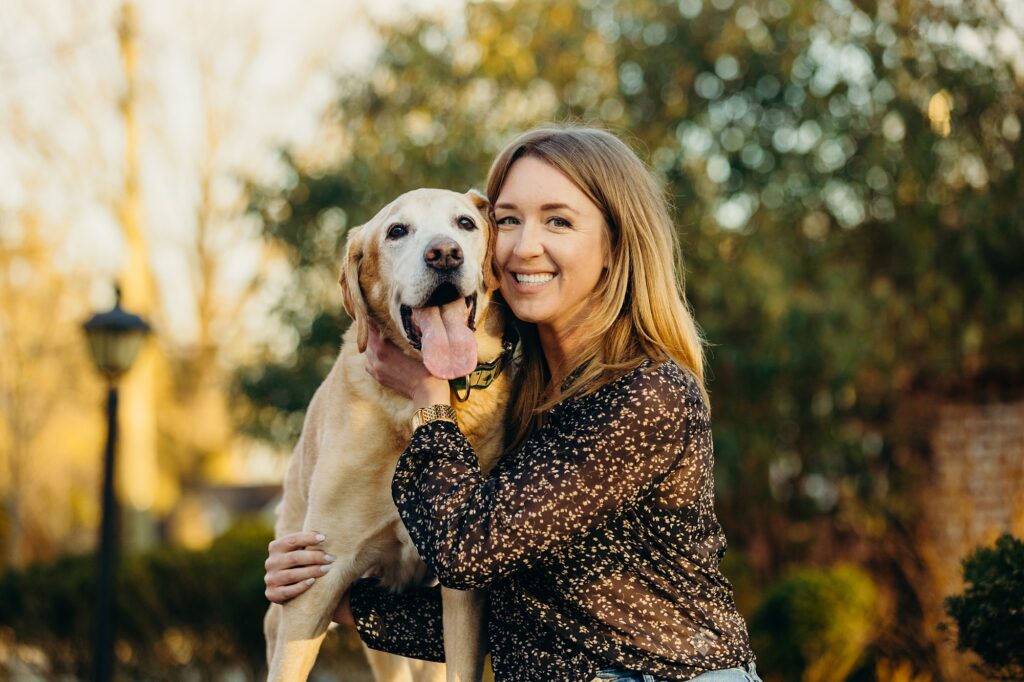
485,373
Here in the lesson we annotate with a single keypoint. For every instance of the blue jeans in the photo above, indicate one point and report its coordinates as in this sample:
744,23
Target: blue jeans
747,673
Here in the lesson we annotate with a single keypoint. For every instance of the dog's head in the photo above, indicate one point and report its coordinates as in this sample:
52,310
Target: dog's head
418,269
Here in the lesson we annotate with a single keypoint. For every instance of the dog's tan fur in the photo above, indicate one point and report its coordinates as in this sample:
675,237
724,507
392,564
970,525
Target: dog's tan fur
339,478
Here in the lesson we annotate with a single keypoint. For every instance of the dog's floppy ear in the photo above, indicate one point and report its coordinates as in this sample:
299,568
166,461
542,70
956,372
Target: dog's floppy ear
492,277
351,292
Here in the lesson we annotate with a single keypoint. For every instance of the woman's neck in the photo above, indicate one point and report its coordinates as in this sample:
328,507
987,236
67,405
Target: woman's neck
561,349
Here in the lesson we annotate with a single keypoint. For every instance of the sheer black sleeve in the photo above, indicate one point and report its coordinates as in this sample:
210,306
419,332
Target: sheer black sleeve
406,623
568,478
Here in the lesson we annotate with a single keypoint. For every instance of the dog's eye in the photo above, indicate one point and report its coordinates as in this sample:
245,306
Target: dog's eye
397,231
466,223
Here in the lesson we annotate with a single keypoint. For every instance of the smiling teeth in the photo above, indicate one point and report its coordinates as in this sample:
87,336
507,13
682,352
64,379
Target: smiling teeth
534,279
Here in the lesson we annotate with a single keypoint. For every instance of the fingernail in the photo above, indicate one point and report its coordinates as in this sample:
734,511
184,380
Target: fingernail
328,557
325,568
320,537
310,581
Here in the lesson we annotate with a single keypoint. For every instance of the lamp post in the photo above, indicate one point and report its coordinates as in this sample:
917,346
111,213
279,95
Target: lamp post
114,339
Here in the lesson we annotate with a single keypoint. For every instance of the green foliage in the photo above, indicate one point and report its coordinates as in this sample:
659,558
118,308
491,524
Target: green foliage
815,624
842,243
50,606
846,180
990,613
178,612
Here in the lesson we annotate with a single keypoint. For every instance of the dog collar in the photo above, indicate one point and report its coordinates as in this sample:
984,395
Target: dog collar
484,374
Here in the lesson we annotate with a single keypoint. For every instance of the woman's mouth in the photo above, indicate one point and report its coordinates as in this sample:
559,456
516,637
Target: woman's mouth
533,279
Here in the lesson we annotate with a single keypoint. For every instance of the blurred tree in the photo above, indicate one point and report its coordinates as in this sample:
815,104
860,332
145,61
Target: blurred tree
44,371
180,614
170,101
44,365
847,185
815,624
989,614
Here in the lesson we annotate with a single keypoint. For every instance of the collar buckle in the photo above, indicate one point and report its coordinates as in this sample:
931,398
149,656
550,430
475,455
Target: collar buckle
484,374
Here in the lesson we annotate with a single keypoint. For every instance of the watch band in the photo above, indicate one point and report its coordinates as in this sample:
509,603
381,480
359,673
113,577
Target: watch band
425,415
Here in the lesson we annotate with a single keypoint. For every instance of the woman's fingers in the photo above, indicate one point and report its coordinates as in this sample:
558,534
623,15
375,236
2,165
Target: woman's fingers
390,367
292,541
379,353
292,576
284,584
300,557
291,568
294,582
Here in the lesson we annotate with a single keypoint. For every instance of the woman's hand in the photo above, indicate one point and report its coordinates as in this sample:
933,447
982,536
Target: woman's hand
386,363
292,566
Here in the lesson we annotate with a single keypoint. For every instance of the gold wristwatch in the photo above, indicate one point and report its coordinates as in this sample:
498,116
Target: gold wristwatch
434,413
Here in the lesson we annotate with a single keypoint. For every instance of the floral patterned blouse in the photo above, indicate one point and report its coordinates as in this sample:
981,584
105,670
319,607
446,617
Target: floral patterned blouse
597,540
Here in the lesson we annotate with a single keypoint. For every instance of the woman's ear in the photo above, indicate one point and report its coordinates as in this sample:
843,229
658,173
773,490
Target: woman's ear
491,276
351,292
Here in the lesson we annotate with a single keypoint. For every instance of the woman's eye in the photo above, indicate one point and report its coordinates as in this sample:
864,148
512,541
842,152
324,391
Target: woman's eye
397,231
560,222
466,223
507,220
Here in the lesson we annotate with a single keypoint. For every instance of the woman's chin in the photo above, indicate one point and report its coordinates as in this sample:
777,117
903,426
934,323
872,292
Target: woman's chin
528,314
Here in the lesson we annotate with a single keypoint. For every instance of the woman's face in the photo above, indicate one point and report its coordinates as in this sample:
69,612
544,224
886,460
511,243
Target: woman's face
551,248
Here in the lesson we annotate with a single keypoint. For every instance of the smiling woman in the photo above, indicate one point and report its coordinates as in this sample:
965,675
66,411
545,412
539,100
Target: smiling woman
592,186
595,534
552,250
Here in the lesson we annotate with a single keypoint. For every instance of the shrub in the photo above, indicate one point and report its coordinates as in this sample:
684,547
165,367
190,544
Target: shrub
179,613
990,612
815,624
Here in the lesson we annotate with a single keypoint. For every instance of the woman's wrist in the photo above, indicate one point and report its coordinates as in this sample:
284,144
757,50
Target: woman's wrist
432,392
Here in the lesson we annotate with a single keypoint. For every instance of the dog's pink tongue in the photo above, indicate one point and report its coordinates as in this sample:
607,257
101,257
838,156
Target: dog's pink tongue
448,344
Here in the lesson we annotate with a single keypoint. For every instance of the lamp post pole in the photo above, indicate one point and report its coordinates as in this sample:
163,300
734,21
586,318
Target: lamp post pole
103,654
114,339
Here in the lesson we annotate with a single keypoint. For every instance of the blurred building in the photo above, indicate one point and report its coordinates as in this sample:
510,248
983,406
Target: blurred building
207,510
972,494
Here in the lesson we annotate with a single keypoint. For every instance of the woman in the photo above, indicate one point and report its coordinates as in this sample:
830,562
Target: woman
595,534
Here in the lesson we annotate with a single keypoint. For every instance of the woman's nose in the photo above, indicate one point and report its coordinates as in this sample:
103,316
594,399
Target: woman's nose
528,243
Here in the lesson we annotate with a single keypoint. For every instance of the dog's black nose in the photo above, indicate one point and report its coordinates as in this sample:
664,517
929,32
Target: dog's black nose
443,255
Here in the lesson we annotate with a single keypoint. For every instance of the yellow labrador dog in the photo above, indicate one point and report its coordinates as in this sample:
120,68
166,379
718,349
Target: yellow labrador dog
421,271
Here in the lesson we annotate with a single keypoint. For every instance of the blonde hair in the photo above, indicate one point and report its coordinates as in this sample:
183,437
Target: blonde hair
640,309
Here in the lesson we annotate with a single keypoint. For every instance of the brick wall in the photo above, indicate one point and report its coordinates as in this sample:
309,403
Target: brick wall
975,493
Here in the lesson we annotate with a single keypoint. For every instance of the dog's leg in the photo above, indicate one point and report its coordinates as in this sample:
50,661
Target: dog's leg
271,623
388,667
291,512
426,671
391,668
304,621
464,634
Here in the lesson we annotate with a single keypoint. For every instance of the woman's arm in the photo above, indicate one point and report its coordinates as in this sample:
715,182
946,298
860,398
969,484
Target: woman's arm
406,623
568,479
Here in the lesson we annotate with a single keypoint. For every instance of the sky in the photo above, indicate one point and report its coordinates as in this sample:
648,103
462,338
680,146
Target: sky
255,75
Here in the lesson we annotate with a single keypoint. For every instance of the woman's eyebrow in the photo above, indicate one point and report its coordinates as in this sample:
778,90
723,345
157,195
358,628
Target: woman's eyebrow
552,207
544,207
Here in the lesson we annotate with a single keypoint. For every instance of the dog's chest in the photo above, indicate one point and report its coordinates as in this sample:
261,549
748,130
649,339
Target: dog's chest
400,565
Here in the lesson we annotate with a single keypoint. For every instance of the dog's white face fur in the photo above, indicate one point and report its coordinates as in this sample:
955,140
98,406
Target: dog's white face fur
427,248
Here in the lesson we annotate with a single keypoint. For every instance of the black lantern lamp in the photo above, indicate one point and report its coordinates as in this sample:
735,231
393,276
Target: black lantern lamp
114,338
